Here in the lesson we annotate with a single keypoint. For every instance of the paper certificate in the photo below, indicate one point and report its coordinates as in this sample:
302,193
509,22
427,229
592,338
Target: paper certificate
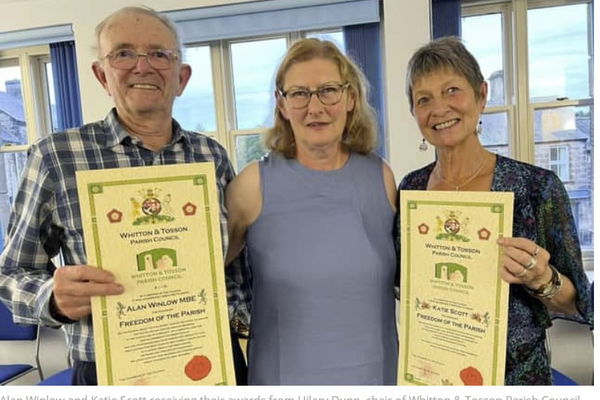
157,229
453,304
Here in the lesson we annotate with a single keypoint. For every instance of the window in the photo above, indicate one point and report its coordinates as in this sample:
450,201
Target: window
231,93
559,161
335,36
581,209
195,109
12,113
25,114
540,104
49,95
490,54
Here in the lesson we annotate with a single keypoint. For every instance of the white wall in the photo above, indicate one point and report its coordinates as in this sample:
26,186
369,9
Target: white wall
405,29
84,15
406,26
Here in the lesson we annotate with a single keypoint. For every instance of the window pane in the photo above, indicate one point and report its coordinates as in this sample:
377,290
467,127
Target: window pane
559,162
254,65
12,113
563,143
483,38
11,165
248,148
559,58
494,133
195,108
336,37
51,96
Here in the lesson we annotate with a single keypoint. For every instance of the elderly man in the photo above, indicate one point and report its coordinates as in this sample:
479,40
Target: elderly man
139,65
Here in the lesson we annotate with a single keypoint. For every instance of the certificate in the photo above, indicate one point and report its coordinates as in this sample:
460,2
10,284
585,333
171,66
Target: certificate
453,304
157,230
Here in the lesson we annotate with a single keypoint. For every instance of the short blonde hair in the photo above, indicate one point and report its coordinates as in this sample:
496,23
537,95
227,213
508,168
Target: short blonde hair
360,133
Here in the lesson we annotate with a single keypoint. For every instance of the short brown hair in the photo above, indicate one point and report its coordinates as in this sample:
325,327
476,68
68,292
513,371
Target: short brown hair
444,53
360,133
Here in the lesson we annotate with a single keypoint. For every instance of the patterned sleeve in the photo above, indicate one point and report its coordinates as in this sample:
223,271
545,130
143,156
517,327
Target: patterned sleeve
562,242
239,284
26,269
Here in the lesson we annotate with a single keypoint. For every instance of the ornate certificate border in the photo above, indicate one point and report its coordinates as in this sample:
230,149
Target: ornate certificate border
200,182
411,202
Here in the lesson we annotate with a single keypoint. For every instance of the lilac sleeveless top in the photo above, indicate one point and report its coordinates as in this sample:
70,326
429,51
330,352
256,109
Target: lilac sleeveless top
323,263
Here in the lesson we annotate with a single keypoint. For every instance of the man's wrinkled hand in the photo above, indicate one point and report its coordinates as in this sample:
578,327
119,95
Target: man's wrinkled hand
74,285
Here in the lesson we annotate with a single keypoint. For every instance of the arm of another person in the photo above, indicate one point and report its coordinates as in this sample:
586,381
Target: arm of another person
33,288
390,185
561,250
244,202
237,274
392,195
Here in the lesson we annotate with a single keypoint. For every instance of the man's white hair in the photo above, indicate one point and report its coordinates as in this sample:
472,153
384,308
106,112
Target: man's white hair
138,10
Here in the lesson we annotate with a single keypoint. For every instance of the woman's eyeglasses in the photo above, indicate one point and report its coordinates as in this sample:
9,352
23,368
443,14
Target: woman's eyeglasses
328,95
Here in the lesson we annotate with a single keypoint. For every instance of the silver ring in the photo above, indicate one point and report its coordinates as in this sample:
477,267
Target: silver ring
522,274
531,263
537,251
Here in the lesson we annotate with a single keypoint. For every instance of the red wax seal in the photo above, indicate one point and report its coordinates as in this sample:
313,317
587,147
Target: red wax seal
471,377
198,368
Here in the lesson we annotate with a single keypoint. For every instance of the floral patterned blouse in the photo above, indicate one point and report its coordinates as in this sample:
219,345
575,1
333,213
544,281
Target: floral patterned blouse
542,213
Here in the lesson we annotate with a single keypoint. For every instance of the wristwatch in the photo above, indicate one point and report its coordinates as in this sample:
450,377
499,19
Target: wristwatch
549,289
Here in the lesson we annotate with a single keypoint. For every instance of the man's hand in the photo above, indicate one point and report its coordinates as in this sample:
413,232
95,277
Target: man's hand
75,284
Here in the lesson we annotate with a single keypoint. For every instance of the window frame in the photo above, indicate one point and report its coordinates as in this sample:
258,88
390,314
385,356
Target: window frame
227,130
519,107
560,163
35,103
509,106
233,131
43,90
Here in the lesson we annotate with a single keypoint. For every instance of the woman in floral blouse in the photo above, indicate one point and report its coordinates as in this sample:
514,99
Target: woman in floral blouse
542,262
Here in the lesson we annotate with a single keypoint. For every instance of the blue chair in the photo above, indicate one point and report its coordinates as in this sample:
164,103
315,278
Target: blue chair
561,379
62,378
9,331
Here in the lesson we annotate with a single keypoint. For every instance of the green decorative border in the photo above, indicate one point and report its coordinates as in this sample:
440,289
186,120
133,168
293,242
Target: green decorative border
96,188
496,209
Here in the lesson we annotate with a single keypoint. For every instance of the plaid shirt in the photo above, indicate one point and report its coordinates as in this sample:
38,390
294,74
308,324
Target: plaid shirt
45,218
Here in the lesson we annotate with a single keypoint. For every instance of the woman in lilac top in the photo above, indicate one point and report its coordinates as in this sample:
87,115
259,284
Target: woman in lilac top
317,215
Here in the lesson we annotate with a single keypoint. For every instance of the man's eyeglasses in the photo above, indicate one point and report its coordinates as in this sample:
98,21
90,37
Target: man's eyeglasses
128,58
329,94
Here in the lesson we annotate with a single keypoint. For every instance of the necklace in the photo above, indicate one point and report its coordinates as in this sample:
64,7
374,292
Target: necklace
469,179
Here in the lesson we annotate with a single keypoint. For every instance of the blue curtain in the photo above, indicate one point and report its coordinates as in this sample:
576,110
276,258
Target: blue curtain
446,18
66,85
363,45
